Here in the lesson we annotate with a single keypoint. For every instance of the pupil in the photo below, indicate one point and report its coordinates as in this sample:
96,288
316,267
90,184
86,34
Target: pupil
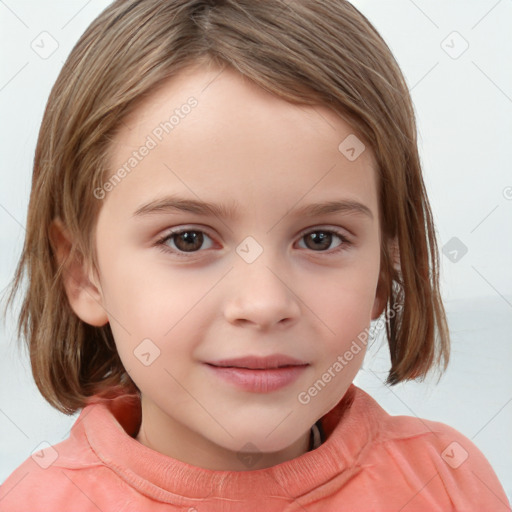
320,238
190,239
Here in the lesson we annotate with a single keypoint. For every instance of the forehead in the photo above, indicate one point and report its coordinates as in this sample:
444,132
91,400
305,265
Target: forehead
211,132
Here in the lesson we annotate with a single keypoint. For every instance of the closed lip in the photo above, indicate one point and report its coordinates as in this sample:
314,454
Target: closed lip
259,362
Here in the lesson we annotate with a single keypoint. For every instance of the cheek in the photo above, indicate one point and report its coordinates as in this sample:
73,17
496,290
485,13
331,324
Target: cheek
160,311
348,318
348,294
147,296
344,303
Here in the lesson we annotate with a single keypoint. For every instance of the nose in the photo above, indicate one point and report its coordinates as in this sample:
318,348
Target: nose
261,295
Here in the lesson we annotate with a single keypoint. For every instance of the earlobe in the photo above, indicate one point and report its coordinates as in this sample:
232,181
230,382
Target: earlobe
380,296
379,304
380,301
394,252
84,296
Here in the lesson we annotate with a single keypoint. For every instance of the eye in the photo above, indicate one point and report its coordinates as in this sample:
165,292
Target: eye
321,239
183,241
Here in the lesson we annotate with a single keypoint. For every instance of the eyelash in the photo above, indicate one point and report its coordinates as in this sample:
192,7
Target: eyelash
161,243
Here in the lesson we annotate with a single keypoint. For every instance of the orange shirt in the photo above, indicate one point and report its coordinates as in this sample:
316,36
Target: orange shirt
370,461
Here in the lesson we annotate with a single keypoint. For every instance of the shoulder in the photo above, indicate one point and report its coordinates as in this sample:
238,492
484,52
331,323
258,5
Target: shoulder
85,484
436,456
48,478
56,474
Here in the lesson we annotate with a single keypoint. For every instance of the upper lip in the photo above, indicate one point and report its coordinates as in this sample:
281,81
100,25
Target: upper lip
257,362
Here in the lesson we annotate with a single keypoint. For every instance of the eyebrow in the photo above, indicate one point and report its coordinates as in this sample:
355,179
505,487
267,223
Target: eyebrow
175,204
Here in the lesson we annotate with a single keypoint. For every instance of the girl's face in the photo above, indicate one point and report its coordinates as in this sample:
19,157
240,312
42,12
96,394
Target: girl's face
257,272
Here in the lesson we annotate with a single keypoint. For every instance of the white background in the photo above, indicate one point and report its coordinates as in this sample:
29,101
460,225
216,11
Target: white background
464,115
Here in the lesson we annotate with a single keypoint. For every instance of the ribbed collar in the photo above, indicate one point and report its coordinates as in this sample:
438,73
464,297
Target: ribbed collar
109,425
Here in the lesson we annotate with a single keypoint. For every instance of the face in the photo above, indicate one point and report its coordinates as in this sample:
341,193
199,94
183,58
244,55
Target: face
260,272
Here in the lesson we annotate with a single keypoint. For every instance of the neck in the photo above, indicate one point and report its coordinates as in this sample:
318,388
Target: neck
176,440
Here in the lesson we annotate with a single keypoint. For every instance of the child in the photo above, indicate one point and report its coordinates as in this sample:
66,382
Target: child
219,376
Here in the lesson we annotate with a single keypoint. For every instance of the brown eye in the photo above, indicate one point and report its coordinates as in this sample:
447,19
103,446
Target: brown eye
188,240
321,240
184,241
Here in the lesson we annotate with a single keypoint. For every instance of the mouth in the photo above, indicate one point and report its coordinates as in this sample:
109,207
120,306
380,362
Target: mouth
258,375
259,362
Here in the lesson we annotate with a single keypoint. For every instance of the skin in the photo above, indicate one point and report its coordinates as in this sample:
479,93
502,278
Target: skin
241,145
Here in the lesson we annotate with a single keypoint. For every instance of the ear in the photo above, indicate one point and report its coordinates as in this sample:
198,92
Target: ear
380,295
84,296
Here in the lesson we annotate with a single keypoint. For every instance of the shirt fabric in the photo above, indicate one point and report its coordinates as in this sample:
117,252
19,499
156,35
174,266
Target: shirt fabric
369,461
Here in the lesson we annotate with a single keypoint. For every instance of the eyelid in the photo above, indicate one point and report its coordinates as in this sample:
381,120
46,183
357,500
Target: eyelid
319,227
325,227
167,234
183,228
336,230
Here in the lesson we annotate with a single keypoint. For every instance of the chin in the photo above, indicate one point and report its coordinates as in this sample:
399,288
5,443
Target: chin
263,440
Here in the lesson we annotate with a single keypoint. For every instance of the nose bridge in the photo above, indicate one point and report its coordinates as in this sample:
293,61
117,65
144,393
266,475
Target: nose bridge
261,291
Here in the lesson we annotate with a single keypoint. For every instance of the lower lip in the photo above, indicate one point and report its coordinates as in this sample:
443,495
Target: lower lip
259,381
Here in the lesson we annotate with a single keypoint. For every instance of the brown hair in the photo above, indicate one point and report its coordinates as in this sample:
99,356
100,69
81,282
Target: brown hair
309,52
